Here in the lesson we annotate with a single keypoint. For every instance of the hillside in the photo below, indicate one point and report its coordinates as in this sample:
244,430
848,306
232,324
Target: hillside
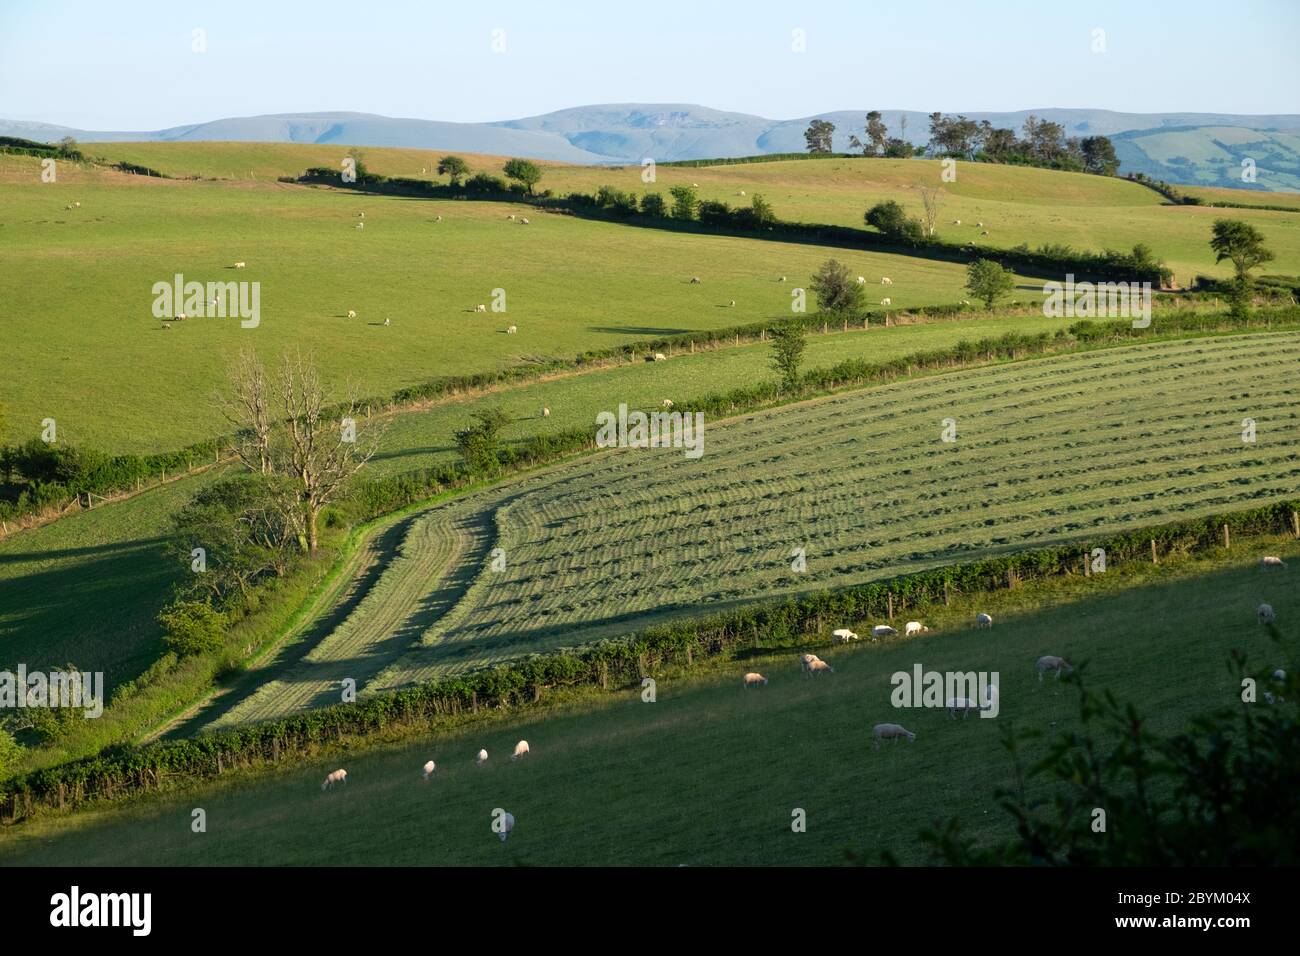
1213,156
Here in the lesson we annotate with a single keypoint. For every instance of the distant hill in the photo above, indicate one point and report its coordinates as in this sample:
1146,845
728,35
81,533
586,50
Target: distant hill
1153,143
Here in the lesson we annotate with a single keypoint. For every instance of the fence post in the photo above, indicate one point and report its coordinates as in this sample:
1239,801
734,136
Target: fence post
1227,542
1087,568
891,605
945,591
1153,551
1295,522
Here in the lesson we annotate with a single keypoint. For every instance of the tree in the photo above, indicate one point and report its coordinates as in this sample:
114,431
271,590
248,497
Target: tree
761,212
988,281
836,288
479,444
652,204
818,136
68,146
247,407
1241,244
684,202
787,352
523,171
1098,154
192,627
930,199
10,752
359,164
454,168
890,219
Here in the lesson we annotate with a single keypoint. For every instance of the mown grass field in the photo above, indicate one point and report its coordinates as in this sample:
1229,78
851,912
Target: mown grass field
1050,451
1016,204
85,349
710,773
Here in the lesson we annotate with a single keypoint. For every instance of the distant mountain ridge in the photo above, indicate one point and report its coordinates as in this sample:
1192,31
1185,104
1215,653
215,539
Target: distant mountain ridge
628,132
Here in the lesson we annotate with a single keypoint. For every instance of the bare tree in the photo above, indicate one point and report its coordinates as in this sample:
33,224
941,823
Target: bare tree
247,408
930,198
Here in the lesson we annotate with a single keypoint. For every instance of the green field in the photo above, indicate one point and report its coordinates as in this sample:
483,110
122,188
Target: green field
710,773
1055,450
1016,204
84,348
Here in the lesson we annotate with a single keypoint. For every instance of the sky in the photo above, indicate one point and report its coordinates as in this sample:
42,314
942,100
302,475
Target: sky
124,65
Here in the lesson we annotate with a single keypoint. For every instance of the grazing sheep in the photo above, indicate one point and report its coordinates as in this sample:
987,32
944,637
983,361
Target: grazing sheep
428,769
167,328
668,403
914,627
1265,613
885,280
733,304
979,225
76,205
660,357
1271,561
1279,674
352,313
843,635
511,329
883,630
240,265
742,192
387,322
695,280
182,316
361,215
956,222
862,280
480,308
984,233
482,758
964,705
438,219
523,220
891,731
337,776
983,620
1049,663
782,279
521,750
886,301
361,225
507,824
754,678
819,667
511,216
806,662
546,412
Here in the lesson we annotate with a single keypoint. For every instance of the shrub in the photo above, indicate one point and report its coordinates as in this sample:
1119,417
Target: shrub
652,204
836,288
191,628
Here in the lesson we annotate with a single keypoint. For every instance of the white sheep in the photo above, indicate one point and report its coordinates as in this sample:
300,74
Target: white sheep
482,758
695,185
429,769
862,280
546,412
511,216
352,313
667,403
885,280
387,322
965,301
76,205
733,304
438,219
956,222
742,192
753,679
511,329
521,750
1279,674
883,630
361,215
984,233
695,280
507,824
1265,613
660,357
843,635
983,620
1271,561
1050,663
819,667
361,225
890,731
480,308
336,776
240,265
914,627
782,279
523,220
886,301
979,225
806,662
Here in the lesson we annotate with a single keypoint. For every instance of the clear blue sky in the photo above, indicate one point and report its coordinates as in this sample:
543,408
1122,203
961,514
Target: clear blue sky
119,64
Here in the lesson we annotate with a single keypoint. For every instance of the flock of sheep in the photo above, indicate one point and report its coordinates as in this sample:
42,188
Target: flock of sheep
507,820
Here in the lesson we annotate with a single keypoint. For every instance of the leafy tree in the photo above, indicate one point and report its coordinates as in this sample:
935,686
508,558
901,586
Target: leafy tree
836,288
10,752
359,164
523,171
454,168
68,146
787,352
818,136
1099,155
192,627
1241,244
684,202
760,213
988,281
891,220
480,444
652,204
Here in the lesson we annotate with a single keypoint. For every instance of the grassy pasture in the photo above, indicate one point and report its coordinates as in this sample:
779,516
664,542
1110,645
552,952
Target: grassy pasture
1016,204
1050,451
84,348
709,774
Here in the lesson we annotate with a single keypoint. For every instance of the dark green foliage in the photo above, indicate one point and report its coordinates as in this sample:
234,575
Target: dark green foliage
890,219
836,288
523,171
787,352
988,281
191,628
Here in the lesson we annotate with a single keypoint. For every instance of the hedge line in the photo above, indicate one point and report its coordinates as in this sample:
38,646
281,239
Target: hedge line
124,770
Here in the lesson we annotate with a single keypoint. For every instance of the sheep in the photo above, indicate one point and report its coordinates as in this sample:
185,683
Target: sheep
843,635
886,301
732,304
956,222
983,620
511,216
352,313
523,220
914,627
885,280
984,233
240,265
890,731
480,308
167,328
818,667
979,225
337,776
862,280
546,412
361,215
1049,663
428,769
782,279
387,322
742,192
521,750
182,316
1271,561
695,280
438,219
511,329
753,678
963,704
361,225
660,357
806,661
965,301
76,205
1265,614
695,185
482,758
667,403
507,824
883,630
1279,675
